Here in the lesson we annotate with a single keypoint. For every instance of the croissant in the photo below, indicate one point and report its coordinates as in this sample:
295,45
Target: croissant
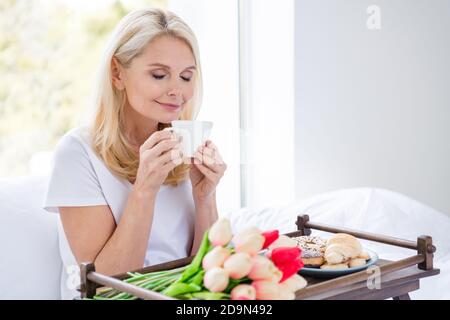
342,247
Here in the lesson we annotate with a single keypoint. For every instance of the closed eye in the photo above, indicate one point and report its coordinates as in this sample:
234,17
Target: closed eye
158,77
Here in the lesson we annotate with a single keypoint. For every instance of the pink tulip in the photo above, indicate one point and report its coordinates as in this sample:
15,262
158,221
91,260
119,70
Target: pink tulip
243,292
220,232
276,276
251,243
238,265
283,241
238,237
285,295
270,237
294,283
216,279
264,269
267,290
215,258
288,260
248,231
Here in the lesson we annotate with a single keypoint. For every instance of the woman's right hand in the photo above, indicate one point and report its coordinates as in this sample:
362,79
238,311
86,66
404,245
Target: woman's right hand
158,155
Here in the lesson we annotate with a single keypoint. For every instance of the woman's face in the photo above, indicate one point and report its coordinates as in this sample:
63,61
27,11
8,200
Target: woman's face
160,81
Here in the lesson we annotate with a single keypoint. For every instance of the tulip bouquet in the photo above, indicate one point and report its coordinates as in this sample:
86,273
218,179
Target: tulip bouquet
247,266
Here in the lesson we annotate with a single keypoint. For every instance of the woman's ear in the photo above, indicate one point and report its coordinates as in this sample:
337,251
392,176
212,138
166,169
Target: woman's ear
117,74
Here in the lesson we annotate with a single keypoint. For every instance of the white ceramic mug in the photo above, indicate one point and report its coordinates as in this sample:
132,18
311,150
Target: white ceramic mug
193,134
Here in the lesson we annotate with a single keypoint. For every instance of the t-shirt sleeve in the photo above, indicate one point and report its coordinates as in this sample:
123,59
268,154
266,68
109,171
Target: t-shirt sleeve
73,181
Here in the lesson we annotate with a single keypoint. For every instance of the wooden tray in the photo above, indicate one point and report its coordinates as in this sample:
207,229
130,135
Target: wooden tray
396,278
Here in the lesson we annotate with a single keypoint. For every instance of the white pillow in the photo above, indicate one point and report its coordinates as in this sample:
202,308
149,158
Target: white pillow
30,263
372,210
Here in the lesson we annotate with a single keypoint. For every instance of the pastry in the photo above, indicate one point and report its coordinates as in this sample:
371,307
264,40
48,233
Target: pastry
312,250
364,255
341,251
311,241
342,247
283,241
356,262
312,257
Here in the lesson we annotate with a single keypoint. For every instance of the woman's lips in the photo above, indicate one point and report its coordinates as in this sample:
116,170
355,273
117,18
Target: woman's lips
169,106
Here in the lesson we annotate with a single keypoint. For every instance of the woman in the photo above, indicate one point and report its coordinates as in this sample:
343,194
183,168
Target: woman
124,203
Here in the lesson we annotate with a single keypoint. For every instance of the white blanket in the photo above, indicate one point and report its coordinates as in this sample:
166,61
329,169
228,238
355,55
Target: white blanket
30,265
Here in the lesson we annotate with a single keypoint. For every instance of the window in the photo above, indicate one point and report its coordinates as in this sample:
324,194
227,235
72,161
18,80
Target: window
267,102
215,24
48,56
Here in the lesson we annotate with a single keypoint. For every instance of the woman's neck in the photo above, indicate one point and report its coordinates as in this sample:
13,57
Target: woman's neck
137,128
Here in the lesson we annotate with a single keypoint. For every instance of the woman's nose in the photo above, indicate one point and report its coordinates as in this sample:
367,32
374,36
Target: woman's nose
174,91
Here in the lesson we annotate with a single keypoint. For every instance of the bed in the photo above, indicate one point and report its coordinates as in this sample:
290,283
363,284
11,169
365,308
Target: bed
30,251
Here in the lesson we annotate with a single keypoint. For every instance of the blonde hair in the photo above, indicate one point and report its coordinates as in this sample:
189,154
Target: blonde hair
129,39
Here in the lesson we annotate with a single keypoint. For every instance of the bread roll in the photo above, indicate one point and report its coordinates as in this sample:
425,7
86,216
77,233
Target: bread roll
338,253
356,262
342,247
364,255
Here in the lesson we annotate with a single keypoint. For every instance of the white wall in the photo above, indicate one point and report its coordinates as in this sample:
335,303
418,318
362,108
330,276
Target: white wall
373,106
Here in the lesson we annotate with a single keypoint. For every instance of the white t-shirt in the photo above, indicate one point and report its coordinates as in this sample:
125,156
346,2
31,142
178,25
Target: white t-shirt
80,178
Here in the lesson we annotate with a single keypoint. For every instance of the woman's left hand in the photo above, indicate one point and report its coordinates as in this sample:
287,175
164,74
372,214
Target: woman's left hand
206,171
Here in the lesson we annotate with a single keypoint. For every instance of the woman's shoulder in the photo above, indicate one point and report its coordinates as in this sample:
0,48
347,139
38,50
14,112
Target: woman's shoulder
74,143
